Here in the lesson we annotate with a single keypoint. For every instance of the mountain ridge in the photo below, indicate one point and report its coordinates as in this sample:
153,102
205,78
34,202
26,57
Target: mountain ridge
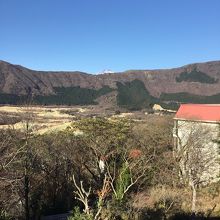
198,79
112,72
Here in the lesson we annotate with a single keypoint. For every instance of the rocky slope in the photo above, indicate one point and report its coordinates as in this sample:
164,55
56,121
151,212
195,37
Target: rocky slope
202,79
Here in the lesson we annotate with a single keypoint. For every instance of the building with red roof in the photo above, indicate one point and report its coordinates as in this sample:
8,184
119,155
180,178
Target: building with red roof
199,112
196,136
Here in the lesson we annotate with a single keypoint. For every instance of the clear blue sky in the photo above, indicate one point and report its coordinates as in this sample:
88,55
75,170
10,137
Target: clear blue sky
93,35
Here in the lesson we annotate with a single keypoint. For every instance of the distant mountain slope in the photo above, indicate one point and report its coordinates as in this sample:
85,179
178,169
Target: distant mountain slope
192,82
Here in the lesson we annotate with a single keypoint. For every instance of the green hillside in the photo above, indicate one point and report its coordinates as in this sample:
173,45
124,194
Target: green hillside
73,96
131,95
196,76
134,95
12,99
190,98
63,96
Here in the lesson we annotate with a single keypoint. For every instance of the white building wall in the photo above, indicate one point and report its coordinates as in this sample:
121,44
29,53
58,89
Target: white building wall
198,151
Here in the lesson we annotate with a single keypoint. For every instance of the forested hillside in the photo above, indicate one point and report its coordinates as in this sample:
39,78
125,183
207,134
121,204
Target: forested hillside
136,89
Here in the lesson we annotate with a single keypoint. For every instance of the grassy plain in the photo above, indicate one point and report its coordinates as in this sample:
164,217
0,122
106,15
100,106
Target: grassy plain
42,119
55,118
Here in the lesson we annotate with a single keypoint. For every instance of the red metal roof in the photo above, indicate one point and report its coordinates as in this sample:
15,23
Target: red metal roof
199,112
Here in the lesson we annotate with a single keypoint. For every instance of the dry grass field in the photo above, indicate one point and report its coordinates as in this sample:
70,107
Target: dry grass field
42,119
54,118
49,118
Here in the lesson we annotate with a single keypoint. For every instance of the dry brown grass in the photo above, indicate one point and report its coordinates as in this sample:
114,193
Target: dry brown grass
208,199
43,119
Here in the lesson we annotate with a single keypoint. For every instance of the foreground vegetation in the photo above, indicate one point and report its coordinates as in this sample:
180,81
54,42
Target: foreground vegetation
108,169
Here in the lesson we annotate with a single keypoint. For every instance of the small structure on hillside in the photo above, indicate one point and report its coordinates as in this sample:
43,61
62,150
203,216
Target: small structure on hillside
196,136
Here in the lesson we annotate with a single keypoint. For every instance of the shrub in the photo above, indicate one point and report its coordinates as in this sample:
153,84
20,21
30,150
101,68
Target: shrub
78,215
166,199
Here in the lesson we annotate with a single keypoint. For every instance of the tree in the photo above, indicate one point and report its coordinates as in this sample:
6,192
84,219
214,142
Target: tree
16,162
155,137
110,146
10,153
196,155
